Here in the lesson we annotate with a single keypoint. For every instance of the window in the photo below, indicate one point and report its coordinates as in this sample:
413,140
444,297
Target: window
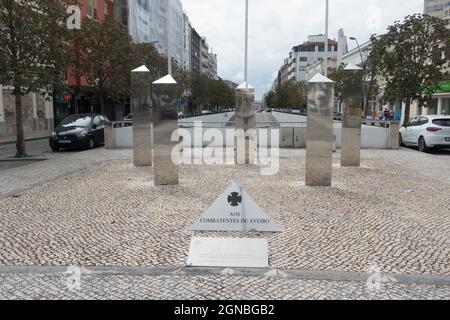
304,59
413,122
422,121
442,122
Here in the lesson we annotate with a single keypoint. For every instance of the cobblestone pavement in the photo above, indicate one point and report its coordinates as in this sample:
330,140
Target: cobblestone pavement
386,216
179,284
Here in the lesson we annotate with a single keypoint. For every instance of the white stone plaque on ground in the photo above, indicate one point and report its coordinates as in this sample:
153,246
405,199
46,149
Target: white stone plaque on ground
235,211
228,253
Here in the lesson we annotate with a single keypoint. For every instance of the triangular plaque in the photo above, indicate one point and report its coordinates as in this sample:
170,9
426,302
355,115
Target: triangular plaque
235,211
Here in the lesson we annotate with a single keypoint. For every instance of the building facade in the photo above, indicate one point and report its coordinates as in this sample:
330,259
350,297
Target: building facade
38,113
195,52
296,65
187,45
146,21
437,8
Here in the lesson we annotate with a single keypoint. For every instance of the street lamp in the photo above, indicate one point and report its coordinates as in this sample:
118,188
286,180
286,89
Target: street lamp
360,52
364,67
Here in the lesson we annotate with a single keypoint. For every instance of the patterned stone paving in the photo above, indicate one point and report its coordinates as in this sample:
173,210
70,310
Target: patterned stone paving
127,284
385,216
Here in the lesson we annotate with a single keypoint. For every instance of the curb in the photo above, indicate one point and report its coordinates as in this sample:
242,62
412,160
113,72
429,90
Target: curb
26,139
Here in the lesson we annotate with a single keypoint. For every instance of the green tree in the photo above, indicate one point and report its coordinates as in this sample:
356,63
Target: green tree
33,51
297,94
413,58
270,99
337,75
104,56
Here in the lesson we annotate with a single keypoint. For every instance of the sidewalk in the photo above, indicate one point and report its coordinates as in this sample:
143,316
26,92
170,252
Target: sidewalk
381,232
59,165
29,136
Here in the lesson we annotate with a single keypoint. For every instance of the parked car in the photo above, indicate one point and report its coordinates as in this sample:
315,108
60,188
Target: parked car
79,131
426,132
128,118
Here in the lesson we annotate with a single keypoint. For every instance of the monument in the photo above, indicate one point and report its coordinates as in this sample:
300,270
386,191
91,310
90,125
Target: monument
319,145
235,211
351,121
142,116
165,125
245,124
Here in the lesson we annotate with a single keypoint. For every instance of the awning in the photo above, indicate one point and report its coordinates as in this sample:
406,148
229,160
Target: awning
443,87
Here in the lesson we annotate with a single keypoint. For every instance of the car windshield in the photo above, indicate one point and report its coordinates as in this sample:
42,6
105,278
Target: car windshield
76,121
442,122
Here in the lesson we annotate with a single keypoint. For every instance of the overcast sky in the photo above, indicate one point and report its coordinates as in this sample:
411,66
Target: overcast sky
277,25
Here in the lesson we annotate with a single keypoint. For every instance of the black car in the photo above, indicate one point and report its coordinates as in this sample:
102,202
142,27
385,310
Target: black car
79,131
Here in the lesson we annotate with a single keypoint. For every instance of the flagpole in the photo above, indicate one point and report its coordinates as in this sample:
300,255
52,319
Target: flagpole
326,38
246,43
169,58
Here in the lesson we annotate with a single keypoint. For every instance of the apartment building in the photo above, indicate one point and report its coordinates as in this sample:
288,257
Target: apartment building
146,21
295,66
437,8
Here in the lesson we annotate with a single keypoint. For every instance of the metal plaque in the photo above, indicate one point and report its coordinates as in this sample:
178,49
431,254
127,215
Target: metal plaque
228,253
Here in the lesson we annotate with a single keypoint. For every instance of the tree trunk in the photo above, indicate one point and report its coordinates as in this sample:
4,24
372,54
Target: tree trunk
20,142
407,111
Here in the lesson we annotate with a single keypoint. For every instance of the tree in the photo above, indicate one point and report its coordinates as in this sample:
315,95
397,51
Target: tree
413,58
337,75
270,99
104,56
33,51
297,92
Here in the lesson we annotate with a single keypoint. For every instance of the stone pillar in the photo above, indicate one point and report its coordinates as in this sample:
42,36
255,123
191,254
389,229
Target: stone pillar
319,145
165,124
3,129
109,135
245,142
142,116
394,138
50,114
351,121
439,106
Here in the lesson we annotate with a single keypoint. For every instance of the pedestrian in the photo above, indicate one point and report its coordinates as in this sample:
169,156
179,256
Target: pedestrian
391,115
380,115
374,114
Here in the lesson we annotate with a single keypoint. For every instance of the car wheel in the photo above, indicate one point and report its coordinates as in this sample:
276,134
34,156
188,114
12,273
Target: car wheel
423,145
401,140
91,143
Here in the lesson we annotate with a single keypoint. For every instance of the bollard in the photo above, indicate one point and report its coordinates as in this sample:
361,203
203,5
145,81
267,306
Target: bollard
351,121
394,138
165,124
109,135
142,116
319,145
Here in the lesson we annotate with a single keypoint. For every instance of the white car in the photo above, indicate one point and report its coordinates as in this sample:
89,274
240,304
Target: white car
426,132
